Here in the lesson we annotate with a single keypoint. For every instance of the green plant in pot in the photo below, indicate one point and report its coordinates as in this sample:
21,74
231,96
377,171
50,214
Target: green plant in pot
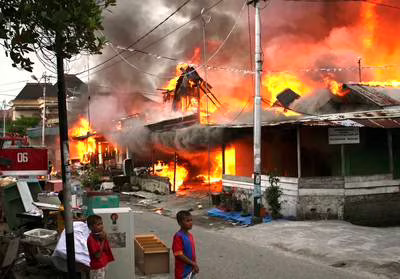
91,179
272,195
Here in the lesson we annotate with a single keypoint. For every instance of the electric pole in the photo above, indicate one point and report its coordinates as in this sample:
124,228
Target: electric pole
44,109
64,147
257,114
359,70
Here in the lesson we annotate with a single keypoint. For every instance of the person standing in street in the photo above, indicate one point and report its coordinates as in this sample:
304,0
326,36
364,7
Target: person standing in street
184,248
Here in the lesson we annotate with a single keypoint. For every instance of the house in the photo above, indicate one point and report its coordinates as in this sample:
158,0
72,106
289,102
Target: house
30,101
344,164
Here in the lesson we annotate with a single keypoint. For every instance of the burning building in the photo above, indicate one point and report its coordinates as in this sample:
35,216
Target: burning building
308,92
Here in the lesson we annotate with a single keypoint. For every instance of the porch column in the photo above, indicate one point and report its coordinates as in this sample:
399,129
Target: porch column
223,158
298,152
390,150
343,160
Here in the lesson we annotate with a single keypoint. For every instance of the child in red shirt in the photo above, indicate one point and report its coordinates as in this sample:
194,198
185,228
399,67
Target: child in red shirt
99,248
184,248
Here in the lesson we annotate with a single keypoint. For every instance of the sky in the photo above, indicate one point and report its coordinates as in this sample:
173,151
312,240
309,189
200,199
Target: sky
12,80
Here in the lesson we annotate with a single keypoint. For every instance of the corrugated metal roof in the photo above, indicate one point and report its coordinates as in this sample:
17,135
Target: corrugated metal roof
371,94
385,118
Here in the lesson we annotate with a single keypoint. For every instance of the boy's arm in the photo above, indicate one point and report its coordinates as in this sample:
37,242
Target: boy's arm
96,252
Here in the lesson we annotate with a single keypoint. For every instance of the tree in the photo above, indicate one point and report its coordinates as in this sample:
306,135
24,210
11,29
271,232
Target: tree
28,26
60,29
20,125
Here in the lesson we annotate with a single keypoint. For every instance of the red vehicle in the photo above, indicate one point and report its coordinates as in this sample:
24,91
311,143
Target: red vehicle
18,158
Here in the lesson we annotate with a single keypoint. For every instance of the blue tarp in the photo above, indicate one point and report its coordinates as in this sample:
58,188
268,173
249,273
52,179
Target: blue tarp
234,216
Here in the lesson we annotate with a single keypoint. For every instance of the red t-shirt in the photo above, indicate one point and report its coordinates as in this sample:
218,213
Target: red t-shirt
93,245
183,244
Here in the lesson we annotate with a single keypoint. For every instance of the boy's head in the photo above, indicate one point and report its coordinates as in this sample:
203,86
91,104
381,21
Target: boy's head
184,219
61,196
95,223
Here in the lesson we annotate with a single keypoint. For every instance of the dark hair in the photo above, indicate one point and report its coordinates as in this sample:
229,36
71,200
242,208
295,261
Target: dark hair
182,215
92,219
61,196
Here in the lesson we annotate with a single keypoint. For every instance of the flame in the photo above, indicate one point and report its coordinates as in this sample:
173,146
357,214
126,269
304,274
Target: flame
167,170
82,149
334,86
276,83
216,165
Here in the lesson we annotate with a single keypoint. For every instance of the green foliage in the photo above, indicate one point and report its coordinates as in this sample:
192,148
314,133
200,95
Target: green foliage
20,125
32,25
91,178
273,194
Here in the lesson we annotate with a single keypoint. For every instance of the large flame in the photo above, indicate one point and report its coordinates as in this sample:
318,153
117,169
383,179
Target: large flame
177,175
276,83
85,148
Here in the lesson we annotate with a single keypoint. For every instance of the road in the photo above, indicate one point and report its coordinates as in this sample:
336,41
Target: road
222,257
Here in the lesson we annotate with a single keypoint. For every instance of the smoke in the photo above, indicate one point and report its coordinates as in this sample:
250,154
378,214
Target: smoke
295,35
194,138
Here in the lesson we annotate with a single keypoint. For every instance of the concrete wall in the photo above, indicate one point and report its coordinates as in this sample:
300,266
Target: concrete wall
365,200
372,201
321,198
154,184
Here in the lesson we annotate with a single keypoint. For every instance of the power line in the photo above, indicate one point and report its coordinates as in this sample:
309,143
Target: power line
196,68
140,38
156,41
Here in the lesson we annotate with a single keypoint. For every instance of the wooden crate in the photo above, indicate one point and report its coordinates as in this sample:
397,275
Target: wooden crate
151,254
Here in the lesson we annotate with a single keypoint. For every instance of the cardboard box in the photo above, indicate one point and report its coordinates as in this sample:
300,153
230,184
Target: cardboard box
151,254
53,185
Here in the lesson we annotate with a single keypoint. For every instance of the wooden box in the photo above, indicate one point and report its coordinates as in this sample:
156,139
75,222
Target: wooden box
151,254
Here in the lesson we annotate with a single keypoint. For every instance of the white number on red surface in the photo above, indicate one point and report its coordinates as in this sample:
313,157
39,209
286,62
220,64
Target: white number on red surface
22,157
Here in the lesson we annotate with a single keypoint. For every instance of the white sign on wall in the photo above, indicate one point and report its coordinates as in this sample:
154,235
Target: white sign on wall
344,135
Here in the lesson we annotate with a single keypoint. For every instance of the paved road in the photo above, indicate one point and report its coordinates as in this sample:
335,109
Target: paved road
222,257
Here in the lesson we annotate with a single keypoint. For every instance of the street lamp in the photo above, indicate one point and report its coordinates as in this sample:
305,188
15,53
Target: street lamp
44,103
4,118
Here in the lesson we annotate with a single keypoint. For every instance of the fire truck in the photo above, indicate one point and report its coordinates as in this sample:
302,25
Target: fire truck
18,158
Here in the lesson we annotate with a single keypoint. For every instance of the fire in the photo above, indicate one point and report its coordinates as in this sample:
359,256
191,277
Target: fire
334,86
85,148
167,170
216,165
276,83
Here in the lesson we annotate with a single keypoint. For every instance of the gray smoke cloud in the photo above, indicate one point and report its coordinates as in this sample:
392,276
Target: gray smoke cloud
295,35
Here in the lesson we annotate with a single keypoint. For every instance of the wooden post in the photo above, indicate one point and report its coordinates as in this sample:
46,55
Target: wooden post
390,150
298,153
175,159
223,158
343,160
152,161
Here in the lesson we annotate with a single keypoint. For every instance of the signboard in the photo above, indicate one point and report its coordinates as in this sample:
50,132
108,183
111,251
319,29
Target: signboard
344,135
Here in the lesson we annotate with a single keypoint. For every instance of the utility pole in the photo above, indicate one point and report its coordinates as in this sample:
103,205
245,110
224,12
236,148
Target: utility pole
206,20
64,147
257,114
359,70
44,109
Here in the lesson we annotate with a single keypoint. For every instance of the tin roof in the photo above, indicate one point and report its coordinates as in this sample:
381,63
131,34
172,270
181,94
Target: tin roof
384,118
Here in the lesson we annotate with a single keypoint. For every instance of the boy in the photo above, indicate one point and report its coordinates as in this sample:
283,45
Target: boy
99,248
184,248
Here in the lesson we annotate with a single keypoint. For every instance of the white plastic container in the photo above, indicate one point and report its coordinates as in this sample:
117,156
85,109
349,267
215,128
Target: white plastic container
41,237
